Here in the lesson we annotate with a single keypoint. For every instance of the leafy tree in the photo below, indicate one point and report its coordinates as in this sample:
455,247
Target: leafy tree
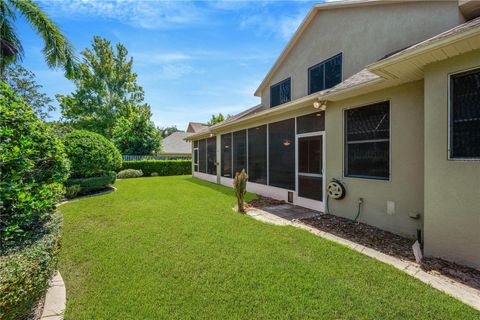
22,82
57,49
165,132
106,89
33,167
137,134
216,119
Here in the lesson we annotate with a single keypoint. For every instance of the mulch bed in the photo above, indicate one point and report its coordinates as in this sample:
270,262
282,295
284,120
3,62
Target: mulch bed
263,202
393,245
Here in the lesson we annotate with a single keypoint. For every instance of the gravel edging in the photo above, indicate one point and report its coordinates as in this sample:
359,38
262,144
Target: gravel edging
466,294
55,299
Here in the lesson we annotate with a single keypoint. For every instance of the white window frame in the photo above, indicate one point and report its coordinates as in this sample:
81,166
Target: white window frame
449,117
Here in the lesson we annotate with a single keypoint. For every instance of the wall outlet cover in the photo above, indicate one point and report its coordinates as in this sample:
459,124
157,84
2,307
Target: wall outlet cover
390,207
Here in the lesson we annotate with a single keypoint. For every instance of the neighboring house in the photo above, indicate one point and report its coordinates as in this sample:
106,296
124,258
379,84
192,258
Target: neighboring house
175,145
194,127
383,96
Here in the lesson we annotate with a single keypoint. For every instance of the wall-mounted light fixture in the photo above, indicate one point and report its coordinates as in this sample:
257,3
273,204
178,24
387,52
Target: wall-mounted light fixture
287,142
320,104
210,135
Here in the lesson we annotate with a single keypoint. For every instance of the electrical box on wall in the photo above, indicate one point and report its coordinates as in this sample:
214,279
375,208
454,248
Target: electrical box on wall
390,207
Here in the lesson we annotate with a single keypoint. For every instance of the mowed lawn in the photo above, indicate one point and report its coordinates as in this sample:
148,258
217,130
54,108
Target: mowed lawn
172,248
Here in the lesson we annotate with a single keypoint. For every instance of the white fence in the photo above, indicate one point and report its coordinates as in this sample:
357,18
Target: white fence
139,157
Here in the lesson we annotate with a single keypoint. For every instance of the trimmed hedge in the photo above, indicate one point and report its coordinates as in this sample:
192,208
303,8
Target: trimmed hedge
162,167
89,185
129,173
26,271
91,154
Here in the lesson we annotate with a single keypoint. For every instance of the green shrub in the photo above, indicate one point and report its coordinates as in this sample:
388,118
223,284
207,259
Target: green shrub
240,188
154,174
92,184
72,191
91,154
26,271
161,167
33,168
129,173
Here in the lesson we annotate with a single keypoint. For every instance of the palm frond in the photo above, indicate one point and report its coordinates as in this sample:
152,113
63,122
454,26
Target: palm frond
57,49
11,49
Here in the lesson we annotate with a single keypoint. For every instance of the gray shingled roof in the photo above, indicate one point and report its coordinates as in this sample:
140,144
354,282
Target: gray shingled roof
175,144
242,114
197,126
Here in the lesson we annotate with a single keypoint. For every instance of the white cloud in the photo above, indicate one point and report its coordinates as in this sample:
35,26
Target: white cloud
139,13
283,27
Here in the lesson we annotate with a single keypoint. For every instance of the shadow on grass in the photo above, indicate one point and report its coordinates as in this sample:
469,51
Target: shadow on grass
219,188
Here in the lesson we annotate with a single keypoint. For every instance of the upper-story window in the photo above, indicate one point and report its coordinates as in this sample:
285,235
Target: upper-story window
465,115
325,75
280,93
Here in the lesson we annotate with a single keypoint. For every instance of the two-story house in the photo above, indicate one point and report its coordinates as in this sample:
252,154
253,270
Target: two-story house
382,98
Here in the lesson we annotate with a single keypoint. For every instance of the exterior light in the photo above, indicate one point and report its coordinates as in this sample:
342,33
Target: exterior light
210,135
286,142
320,104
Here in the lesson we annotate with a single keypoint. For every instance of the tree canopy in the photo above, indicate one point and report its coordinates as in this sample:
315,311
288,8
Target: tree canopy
23,83
216,119
137,134
165,132
106,89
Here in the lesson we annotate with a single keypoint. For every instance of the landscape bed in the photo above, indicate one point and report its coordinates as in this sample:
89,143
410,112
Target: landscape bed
172,247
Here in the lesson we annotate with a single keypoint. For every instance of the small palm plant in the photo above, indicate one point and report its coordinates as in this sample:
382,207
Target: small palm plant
240,187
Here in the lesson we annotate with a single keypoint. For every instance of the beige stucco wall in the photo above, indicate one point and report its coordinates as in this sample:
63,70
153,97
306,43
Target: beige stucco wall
363,35
406,144
452,187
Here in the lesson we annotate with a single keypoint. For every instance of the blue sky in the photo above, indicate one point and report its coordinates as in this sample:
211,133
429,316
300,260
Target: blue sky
192,58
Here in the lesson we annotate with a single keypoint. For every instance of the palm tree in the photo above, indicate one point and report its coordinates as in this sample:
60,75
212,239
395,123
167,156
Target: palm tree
58,51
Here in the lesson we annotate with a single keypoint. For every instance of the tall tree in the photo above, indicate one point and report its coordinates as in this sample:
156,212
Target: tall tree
216,119
165,132
106,89
57,50
23,83
137,134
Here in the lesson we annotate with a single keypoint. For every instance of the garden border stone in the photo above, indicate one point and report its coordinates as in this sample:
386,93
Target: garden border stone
55,299
466,294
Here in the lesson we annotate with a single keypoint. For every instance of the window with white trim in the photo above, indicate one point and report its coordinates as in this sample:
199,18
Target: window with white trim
280,93
325,75
464,133
367,141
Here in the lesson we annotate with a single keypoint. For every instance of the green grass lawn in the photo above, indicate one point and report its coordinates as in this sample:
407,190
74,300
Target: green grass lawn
171,247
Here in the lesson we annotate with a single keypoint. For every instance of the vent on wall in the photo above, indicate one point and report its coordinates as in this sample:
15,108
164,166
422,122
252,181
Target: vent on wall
290,197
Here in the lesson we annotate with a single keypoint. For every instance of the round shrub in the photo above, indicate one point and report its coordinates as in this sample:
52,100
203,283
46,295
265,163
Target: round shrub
33,168
154,174
91,154
129,173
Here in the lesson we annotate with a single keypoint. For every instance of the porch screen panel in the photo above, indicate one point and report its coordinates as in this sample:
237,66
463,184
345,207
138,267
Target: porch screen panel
239,151
367,141
211,155
202,156
465,115
281,140
311,122
226,155
257,154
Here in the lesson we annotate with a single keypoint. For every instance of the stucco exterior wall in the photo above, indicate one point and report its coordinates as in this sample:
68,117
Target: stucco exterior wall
363,35
452,187
405,187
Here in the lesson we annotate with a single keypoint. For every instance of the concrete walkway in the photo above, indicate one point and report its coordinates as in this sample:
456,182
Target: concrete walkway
287,215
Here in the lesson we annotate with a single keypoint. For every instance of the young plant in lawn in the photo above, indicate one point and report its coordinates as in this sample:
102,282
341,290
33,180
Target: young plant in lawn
240,187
